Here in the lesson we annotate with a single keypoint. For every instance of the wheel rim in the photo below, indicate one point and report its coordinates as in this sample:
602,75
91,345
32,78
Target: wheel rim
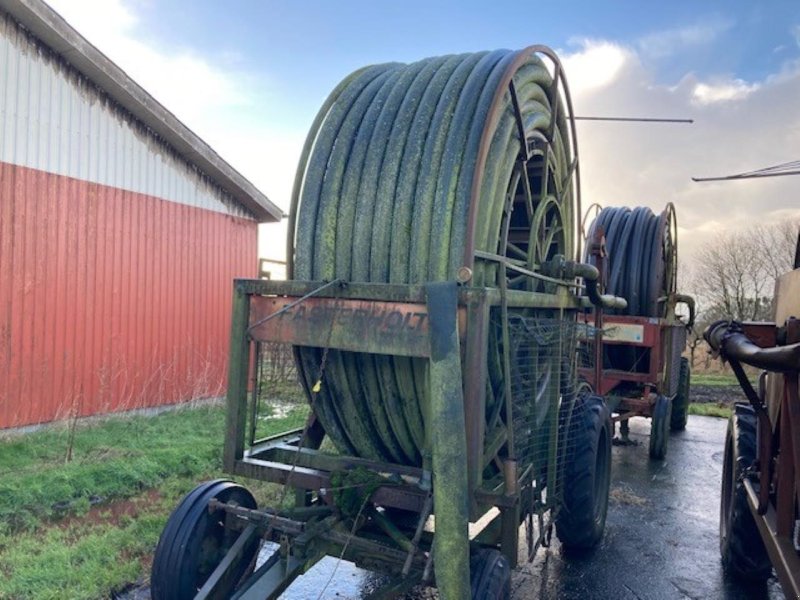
211,540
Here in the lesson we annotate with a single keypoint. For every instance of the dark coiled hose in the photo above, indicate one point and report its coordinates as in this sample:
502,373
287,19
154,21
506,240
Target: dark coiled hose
641,267
406,172
642,256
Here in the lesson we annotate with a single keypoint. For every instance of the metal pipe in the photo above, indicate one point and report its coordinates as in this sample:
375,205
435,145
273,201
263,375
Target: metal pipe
603,300
564,269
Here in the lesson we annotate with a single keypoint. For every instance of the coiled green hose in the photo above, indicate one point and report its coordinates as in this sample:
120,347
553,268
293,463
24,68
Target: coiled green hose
406,172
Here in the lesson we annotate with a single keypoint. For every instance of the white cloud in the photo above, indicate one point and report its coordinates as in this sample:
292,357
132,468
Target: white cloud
651,164
189,85
796,34
739,126
667,42
595,65
723,91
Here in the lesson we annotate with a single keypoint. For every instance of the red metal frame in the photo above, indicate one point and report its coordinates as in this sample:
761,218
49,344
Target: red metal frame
652,338
775,504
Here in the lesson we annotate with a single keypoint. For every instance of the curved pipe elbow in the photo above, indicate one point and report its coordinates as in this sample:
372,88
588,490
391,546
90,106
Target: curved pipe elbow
728,338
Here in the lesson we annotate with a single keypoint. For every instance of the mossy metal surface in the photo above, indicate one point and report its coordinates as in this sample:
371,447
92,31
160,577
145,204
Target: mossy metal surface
385,194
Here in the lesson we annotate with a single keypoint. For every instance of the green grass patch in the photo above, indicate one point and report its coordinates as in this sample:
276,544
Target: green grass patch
114,459
80,560
710,409
86,527
101,552
714,379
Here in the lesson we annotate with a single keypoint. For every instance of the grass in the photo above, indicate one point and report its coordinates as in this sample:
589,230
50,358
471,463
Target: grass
709,409
714,379
87,527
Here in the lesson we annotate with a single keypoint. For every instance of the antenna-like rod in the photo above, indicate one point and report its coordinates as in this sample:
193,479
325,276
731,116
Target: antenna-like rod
788,168
634,119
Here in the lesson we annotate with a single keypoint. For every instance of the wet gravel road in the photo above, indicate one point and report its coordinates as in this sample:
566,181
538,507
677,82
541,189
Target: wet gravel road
661,538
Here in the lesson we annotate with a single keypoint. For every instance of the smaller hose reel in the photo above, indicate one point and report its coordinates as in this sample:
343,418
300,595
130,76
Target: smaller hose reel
642,259
641,267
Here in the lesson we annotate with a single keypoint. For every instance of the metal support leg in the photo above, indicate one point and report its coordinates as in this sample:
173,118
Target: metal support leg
448,445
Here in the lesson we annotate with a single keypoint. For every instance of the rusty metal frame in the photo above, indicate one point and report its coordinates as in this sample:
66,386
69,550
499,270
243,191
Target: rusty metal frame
776,503
268,311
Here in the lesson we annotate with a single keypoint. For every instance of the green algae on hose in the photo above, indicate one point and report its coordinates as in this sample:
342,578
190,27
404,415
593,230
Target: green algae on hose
383,194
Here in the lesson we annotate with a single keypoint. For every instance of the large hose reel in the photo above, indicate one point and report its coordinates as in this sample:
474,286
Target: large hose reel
409,173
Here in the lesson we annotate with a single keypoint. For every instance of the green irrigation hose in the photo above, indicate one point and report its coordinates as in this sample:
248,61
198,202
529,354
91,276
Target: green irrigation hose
408,169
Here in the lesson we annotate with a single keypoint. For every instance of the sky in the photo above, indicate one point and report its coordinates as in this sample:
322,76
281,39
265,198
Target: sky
248,76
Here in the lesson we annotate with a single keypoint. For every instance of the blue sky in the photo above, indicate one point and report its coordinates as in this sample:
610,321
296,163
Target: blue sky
302,49
249,77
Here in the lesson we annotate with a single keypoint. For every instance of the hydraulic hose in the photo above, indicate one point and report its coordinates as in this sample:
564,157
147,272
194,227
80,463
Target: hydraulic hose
408,171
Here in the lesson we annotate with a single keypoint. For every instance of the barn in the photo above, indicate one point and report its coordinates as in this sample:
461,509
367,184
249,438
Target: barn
120,233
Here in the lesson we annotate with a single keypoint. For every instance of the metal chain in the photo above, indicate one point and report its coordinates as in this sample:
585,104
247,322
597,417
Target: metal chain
304,435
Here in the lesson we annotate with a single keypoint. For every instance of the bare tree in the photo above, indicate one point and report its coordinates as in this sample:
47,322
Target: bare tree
735,272
733,275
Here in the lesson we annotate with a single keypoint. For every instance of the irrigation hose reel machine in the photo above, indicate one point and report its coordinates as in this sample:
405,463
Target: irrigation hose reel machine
433,309
640,369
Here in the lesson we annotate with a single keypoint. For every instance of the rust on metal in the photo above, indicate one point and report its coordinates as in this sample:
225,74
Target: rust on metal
393,328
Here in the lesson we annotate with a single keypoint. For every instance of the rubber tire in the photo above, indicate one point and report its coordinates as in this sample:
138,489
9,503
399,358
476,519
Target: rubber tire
659,428
680,404
740,544
581,518
489,575
178,568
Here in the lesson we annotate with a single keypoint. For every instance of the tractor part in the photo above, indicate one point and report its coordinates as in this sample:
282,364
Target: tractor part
587,476
680,403
410,173
730,339
743,551
761,479
195,540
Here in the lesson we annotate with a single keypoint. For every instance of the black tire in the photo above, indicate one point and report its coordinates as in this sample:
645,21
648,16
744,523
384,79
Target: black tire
742,549
194,541
680,404
659,428
489,575
581,519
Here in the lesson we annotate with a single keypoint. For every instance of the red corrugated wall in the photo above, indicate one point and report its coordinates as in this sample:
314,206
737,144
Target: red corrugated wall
110,300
